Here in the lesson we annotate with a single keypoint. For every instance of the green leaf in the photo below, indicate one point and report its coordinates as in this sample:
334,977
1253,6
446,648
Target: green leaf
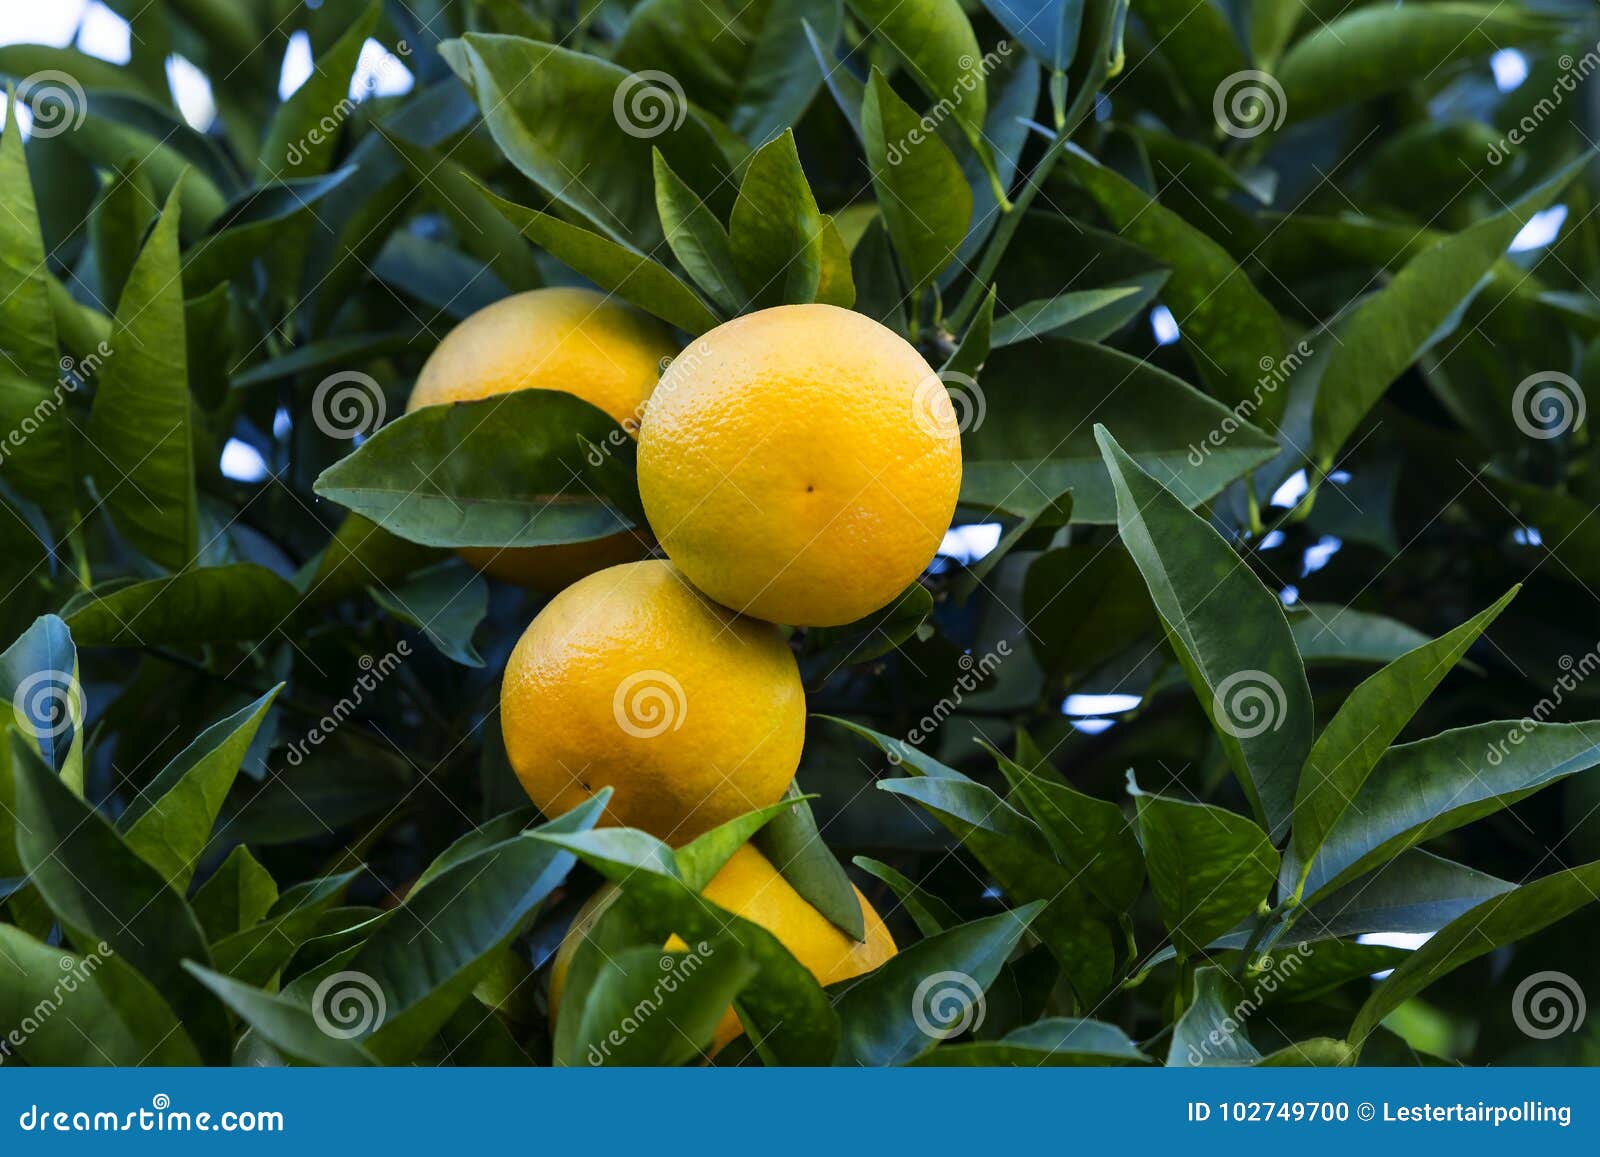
968,357
27,322
703,857
868,638
41,696
250,225
1086,314
1417,891
1319,1052
94,882
1513,915
735,60
484,232
782,1007
1424,789
775,234
931,991
555,113
1019,456
647,1006
1367,722
1209,1032
1197,42
614,267
446,603
235,897
1017,855
1047,28
1055,1041
696,238
203,605
1055,512
935,41
1209,868
836,283
361,554
925,200
499,471
1090,836
1237,336
1332,634
1377,50
117,224
1229,633
140,424
87,1010
793,844
39,450
1390,329
426,959
931,914
289,1027
169,824
480,839
298,141
1083,605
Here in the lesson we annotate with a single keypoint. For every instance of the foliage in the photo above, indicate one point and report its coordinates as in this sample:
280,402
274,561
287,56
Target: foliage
1267,407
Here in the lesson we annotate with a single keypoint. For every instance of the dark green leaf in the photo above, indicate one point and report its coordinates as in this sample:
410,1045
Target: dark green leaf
202,605
793,844
775,234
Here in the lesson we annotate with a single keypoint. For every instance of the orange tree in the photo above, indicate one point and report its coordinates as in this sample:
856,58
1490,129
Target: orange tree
1214,731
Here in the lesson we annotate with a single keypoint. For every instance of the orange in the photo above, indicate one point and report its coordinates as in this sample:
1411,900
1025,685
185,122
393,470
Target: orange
800,464
748,885
575,340
632,679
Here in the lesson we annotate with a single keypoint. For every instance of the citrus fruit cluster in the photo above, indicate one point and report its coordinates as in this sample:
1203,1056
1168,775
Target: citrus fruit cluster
798,467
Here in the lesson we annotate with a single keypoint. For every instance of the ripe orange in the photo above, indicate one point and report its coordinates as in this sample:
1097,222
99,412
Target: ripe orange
800,464
575,340
630,678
